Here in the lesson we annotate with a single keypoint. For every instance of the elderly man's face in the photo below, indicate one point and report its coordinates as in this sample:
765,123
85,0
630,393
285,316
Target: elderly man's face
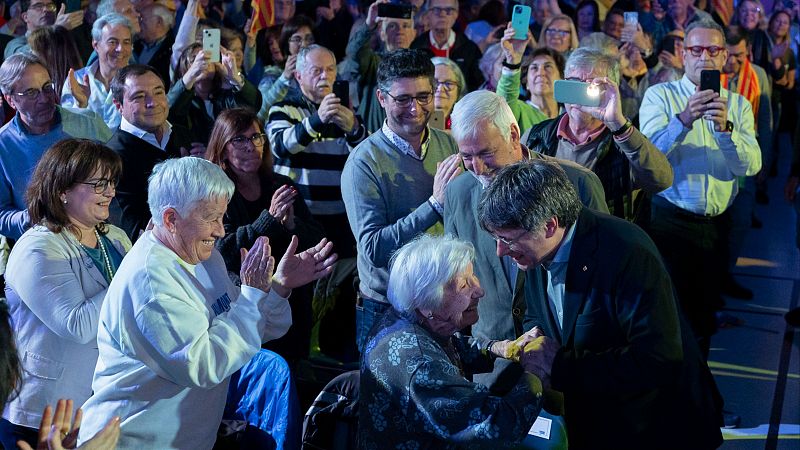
460,300
397,33
34,98
151,25
405,115
196,233
488,152
587,75
40,13
443,14
126,8
707,42
114,47
319,73
145,102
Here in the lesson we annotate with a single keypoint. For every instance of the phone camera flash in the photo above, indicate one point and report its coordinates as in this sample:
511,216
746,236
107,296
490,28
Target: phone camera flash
592,90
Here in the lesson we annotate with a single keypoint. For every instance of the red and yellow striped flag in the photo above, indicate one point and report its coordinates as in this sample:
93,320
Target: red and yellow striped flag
263,14
724,9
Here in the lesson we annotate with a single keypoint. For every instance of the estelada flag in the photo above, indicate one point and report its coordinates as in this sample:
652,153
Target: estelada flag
724,9
263,14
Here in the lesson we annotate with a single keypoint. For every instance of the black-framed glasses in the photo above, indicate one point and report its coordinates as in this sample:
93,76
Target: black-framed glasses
304,40
100,185
404,101
41,7
32,94
697,50
240,142
510,243
447,85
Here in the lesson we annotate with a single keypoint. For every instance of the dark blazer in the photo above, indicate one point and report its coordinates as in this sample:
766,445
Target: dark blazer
161,58
502,309
129,209
628,365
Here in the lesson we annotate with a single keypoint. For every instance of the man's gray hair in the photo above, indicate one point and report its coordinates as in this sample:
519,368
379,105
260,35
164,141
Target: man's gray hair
705,24
105,7
421,269
489,59
166,16
13,68
591,60
111,19
302,55
525,195
601,42
478,108
462,82
182,183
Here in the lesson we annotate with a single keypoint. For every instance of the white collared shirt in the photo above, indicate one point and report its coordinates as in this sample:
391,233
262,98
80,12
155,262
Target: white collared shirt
100,99
404,145
146,136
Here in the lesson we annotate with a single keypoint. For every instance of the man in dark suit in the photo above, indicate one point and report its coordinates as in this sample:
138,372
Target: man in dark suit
488,139
143,139
154,46
628,365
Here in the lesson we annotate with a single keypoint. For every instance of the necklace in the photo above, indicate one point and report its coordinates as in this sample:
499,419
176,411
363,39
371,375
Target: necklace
106,259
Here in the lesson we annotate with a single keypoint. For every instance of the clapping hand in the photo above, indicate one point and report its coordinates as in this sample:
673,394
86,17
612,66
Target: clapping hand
60,431
257,265
80,90
295,270
282,205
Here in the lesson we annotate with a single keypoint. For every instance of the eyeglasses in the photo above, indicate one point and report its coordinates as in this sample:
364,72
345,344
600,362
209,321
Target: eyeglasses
101,184
555,32
305,40
446,11
745,11
240,142
404,101
41,7
447,85
32,94
510,243
697,50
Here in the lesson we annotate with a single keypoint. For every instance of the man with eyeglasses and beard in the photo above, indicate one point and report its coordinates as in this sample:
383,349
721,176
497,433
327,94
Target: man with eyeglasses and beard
709,140
394,182
38,124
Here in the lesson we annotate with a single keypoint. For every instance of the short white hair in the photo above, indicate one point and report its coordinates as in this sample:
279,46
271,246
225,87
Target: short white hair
421,269
182,183
477,108
302,55
110,19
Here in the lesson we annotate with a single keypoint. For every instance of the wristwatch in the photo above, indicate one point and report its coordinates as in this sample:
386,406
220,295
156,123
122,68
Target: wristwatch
728,127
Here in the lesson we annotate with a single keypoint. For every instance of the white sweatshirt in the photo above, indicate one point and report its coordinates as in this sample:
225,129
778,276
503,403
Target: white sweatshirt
170,336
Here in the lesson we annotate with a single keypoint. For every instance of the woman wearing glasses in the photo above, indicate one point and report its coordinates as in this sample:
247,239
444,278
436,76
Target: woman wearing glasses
57,277
263,204
449,88
558,34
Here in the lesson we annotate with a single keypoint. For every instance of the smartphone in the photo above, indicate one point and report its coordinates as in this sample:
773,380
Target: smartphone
395,10
520,20
437,119
341,89
668,44
709,79
631,18
576,93
211,43
72,6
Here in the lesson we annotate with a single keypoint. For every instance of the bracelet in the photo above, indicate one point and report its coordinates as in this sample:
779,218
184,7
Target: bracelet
489,346
512,66
621,130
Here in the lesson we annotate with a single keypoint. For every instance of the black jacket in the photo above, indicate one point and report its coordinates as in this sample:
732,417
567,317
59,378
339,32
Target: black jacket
465,53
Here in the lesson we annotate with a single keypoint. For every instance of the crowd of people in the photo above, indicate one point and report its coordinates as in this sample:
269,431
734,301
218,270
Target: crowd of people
175,223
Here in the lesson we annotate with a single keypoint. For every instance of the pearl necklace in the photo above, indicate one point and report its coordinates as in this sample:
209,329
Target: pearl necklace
106,259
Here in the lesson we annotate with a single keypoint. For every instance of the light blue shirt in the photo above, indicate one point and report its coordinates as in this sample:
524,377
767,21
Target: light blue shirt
100,100
557,276
705,162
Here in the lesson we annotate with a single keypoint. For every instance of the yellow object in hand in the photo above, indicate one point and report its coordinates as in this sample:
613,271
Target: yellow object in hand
514,349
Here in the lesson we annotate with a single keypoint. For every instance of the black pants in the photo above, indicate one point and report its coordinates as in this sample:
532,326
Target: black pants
695,252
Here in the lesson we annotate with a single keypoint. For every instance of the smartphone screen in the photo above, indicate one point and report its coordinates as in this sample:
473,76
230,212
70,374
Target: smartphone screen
394,10
520,20
211,43
72,6
576,93
341,89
